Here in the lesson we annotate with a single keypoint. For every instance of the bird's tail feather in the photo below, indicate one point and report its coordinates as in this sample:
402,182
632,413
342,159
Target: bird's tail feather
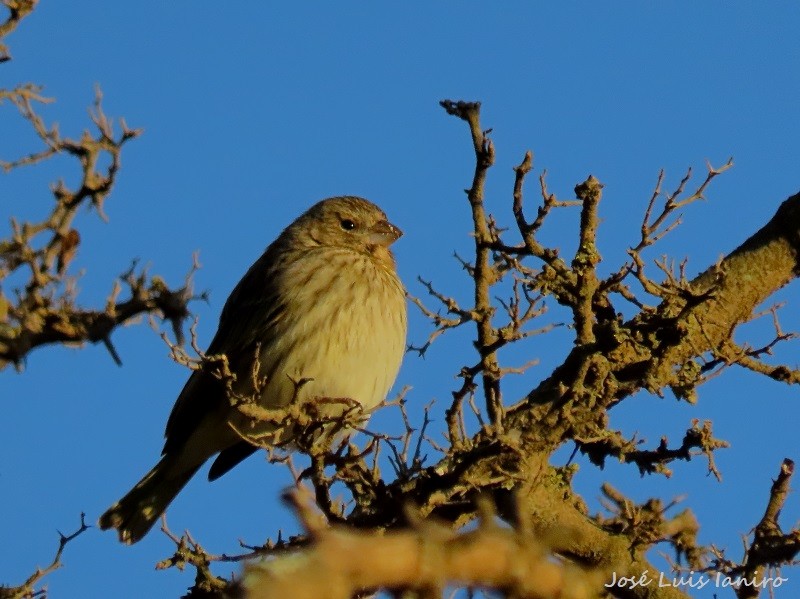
134,515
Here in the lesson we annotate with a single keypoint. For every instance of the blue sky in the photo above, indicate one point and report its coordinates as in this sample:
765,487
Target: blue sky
254,111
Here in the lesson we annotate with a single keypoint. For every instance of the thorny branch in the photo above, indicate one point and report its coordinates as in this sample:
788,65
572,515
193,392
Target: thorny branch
27,590
484,274
188,551
647,524
745,356
654,229
612,444
38,304
771,547
442,323
764,556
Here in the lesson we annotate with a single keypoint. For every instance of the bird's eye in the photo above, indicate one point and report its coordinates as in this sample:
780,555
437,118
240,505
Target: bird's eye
347,224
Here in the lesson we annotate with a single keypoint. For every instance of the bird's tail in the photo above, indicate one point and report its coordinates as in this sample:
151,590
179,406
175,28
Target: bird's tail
134,515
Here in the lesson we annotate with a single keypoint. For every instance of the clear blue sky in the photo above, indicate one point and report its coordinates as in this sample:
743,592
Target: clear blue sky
252,112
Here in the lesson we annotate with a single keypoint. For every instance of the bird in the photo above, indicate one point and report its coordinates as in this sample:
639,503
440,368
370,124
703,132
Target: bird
322,306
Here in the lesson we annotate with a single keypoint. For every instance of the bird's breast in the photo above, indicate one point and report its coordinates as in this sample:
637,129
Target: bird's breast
343,331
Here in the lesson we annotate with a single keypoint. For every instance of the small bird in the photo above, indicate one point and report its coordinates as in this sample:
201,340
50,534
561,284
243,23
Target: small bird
322,305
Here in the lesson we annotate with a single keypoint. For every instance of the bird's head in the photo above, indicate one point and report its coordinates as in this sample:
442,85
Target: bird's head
348,222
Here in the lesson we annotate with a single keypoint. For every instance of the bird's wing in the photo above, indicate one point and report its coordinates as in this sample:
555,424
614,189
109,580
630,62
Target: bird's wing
247,319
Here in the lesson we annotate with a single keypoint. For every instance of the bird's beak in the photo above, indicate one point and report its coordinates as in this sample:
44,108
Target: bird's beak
384,233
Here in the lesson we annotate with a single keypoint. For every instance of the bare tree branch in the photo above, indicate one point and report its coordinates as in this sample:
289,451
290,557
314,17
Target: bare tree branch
44,309
27,590
17,10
